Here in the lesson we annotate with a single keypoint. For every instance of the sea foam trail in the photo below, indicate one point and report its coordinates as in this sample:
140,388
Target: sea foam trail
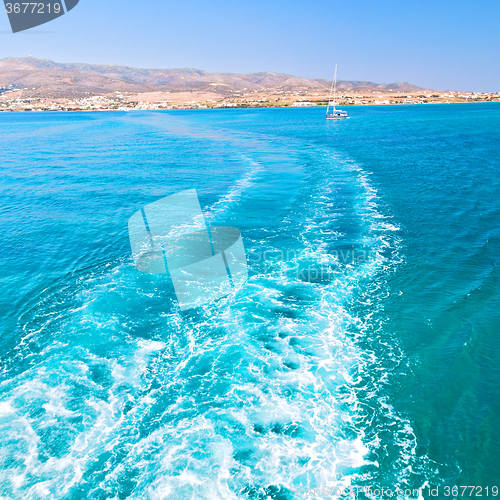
277,387
240,186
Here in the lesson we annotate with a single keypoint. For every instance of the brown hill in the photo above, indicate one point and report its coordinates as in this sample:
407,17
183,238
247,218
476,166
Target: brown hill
51,79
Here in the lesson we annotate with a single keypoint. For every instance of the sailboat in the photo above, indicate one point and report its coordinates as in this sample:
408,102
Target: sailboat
335,114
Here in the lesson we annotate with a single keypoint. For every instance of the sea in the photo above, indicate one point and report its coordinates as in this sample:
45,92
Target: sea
361,356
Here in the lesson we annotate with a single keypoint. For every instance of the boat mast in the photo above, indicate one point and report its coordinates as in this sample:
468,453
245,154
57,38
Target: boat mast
332,90
335,88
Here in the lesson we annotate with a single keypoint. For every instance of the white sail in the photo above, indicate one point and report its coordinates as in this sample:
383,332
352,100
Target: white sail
336,113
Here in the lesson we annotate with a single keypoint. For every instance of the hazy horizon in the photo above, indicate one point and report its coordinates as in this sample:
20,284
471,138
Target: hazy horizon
434,45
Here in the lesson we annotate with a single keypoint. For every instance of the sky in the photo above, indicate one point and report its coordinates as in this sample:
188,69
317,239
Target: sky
438,44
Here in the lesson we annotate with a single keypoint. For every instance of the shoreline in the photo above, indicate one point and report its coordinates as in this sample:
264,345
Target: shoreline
35,100
215,108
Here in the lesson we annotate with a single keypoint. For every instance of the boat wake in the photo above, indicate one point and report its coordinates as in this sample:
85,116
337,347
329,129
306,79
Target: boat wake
279,388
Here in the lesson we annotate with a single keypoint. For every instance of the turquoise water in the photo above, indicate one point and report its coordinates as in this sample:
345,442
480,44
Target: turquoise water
361,351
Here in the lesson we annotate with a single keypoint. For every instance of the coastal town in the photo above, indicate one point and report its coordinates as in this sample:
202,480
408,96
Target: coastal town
34,84
24,99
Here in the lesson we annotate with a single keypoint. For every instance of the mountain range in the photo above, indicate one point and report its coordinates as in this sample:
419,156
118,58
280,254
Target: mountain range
52,79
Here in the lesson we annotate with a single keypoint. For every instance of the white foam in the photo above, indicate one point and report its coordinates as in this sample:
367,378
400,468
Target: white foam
239,397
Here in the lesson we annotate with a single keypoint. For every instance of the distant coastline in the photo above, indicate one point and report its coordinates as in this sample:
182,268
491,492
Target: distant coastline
14,106
18,100
32,84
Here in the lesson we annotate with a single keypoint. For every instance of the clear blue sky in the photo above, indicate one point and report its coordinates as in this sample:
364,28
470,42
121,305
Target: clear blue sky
436,44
